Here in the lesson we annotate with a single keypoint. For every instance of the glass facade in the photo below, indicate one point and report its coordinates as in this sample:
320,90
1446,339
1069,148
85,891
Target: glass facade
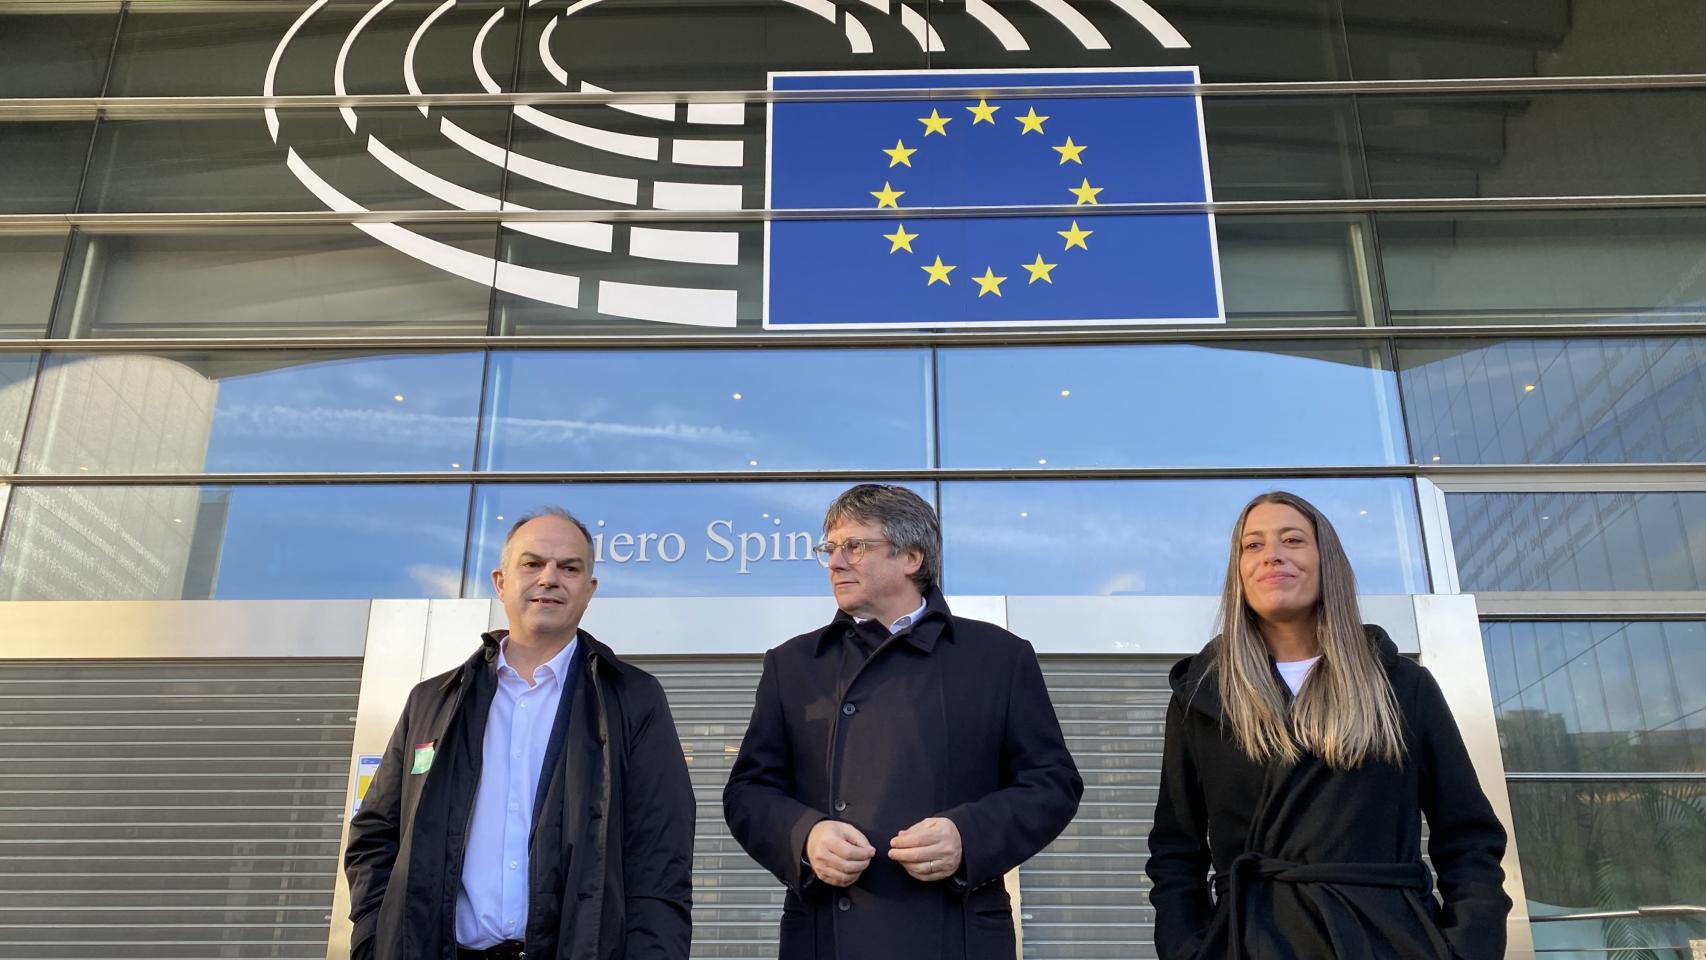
300,351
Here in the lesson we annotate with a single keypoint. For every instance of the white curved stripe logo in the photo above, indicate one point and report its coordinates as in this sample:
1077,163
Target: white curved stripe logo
680,139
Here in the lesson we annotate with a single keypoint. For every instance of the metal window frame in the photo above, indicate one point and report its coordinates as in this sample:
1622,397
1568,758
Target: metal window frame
73,107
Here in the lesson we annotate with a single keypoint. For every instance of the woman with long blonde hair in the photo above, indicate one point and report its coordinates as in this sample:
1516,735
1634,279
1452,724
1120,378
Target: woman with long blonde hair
1301,754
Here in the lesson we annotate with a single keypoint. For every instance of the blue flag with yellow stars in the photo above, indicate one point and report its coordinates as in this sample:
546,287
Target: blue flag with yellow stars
979,150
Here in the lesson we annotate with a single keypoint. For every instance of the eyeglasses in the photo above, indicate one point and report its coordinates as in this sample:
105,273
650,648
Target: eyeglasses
855,547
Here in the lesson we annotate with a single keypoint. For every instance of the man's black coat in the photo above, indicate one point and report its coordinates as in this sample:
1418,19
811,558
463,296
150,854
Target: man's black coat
1315,862
612,850
949,718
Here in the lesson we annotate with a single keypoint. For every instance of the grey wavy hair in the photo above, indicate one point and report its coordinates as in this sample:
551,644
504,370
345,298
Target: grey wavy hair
909,523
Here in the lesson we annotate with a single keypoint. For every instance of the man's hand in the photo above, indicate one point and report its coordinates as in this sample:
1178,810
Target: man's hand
929,849
838,852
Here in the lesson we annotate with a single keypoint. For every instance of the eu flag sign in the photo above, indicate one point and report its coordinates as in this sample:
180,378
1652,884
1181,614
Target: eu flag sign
983,150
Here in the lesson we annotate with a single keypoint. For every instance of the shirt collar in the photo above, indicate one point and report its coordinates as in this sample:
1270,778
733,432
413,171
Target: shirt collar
555,666
903,622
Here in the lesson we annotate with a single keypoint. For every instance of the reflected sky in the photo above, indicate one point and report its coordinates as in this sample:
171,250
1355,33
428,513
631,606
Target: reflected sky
245,413
301,542
708,410
1167,405
1155,537
340,542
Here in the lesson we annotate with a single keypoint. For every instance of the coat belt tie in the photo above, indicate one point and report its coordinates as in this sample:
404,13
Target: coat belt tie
1251,869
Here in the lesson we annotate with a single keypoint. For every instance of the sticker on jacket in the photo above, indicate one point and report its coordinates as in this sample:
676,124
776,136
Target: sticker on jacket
423,756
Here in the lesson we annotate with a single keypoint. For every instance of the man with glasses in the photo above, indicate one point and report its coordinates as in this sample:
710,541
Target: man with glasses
900,760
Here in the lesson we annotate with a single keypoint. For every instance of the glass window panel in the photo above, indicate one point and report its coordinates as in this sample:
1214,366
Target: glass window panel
1579,38
395,159
1053,406
29,273
55,53
678,539
1544,267
708,410
233,542
1156,537
1261,40
188,52
1558,401
1573,525
238,411
1623,703
1275,271
17,385
1610,845
1643,142
1283,148
704,45
273,281
43,163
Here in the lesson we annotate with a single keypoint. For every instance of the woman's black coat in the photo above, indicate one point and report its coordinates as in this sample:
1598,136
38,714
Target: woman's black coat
1315,862
947,719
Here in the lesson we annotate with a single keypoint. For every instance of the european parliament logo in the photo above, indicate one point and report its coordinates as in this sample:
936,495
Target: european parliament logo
986,150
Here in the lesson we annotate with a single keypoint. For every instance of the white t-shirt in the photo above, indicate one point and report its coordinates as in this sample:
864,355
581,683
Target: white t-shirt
1295,672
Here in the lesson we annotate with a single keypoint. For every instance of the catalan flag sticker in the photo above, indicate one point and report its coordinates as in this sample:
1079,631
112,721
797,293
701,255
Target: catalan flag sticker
423,756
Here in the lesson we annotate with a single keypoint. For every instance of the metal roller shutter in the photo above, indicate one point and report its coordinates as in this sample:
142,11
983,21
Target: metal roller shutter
737,904
1082,897
186,809
1085,896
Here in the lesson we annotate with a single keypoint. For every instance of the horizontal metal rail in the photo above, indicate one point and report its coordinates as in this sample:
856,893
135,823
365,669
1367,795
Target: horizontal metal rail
1654,912
73,107
1607,777
131,222
1610,472
774,339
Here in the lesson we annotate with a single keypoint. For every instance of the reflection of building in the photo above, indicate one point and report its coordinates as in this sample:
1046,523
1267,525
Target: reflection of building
112,413
1550,460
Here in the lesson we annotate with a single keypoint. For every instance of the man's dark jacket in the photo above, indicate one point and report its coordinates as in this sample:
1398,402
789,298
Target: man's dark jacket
612,847
1310,861
947,719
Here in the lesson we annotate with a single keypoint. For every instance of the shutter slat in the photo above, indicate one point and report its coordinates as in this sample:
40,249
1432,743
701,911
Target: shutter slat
172,809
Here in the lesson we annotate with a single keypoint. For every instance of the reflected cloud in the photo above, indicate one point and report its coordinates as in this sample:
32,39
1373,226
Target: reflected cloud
436,581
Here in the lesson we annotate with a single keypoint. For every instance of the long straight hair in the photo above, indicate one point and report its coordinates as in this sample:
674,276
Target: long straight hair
1345,713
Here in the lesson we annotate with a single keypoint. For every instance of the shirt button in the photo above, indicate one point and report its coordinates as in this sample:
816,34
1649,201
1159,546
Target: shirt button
524,704
513,864
847,709
840,805
844,904
514,807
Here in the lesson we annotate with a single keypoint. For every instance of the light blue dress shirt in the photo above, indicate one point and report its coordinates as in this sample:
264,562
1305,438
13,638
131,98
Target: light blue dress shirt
491,907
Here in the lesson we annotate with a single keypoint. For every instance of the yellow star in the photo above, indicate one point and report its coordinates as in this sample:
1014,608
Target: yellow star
938,271
935,123
887,196
900,239
1070,152
983,113
902,154
1085,193
1039,270
989,282
1074,237
1031,122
